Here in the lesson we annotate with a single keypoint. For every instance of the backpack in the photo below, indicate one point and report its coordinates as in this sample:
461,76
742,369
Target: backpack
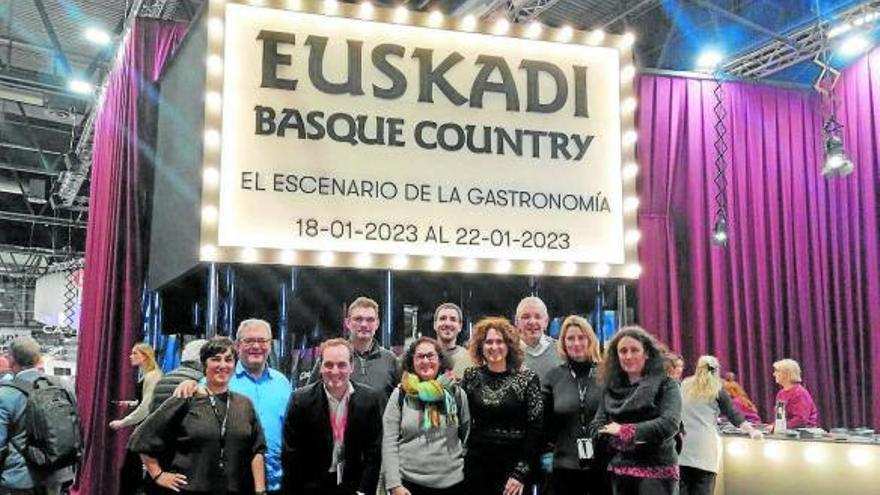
52,423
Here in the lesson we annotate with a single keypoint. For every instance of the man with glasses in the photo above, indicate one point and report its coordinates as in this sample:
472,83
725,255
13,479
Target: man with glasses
374,365
268,390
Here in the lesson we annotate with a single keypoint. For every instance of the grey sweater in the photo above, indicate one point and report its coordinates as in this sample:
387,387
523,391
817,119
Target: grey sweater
543,357
433,458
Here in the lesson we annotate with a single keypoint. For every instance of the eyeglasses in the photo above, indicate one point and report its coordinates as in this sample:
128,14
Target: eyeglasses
361,319
255,341
430,356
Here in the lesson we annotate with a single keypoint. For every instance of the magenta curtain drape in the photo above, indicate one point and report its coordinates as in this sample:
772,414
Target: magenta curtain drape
799,277
115,242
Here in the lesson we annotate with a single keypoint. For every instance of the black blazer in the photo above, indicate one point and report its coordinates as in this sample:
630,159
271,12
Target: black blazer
307,447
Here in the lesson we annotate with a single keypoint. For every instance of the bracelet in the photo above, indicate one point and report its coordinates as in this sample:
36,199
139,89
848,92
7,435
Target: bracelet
157,476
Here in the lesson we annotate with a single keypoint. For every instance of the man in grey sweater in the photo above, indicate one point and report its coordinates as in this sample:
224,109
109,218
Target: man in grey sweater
540,349
373,365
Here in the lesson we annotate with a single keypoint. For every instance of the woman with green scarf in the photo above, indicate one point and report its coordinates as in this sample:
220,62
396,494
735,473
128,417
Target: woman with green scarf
425,424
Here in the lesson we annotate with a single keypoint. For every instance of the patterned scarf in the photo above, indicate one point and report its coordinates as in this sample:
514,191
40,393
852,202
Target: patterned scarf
434,396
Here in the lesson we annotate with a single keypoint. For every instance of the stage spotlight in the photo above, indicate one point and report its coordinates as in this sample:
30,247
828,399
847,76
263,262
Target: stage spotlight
80,87
719,232
708,61
836,161
853,45
98,36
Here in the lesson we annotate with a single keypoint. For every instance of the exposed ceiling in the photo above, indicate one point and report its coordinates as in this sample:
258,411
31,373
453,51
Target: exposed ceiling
43,208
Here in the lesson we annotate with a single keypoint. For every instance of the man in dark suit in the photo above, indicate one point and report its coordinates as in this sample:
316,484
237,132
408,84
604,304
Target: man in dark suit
333,431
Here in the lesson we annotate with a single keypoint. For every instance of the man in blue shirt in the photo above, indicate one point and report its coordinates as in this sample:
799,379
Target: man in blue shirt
268,390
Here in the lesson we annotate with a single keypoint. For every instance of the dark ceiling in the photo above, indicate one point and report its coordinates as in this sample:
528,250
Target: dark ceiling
42,45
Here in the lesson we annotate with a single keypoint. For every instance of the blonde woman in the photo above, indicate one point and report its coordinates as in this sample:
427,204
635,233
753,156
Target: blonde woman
143,357
571,398
703,400
800,410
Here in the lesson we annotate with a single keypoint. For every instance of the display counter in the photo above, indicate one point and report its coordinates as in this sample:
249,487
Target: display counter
780,466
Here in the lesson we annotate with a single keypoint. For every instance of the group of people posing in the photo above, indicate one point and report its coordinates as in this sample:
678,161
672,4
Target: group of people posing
514,411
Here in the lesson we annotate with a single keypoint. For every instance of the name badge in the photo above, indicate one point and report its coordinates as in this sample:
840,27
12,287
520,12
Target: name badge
585,448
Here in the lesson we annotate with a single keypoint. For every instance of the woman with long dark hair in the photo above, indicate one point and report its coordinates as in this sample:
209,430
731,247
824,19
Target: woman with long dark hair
506,412
425,424
639,414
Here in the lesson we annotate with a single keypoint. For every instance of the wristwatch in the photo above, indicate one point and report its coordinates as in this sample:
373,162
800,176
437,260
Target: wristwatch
261,492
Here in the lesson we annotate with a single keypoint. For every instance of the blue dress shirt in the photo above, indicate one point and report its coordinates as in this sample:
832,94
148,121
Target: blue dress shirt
269,393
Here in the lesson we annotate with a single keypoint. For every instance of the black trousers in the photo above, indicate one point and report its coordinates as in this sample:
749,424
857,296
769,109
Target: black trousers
696,481
415,489
630,485
577,482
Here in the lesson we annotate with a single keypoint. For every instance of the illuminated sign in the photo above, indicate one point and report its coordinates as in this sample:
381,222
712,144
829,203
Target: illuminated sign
338,134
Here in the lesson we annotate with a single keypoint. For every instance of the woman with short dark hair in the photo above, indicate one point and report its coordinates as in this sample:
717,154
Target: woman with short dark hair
639,414
506,412
425,424
208,443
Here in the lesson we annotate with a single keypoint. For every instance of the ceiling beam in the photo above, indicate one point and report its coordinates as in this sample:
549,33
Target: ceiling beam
50,30
28,170
34,219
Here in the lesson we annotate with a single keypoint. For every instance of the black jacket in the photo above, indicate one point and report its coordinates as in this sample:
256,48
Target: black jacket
653,407
563,412
307,447
188,370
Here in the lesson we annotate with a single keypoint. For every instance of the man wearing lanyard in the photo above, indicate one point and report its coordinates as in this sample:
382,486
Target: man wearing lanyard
373,364
333,431
268,390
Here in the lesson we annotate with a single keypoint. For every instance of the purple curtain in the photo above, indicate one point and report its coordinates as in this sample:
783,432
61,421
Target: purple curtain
799,277
115,240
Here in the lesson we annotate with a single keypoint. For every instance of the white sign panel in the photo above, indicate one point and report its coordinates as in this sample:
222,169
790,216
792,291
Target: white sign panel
356,136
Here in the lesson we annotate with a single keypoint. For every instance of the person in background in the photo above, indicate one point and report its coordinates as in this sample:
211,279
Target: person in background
141,356
639,414
571,397
190,369
131,473
800,410
674,365
6,372
268,390
425,425
215,443
374,365
16,477
540,349
741,401
703,401
447,326
506,410
333,431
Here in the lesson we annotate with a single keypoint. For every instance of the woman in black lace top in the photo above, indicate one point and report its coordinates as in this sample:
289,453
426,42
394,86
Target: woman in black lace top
506,412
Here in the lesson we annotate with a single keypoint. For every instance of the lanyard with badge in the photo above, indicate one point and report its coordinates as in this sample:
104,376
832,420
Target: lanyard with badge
584,442
221,463
338,422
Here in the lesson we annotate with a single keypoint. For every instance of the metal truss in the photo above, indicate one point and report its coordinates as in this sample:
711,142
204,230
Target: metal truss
527,10
515,10
70,181
796,47
33,262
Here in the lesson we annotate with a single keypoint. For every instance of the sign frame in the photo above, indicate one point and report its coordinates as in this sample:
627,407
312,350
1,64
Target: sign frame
210,251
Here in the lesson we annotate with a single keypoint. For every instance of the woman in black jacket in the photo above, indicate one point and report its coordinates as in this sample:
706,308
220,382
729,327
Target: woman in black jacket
571,398
639,413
